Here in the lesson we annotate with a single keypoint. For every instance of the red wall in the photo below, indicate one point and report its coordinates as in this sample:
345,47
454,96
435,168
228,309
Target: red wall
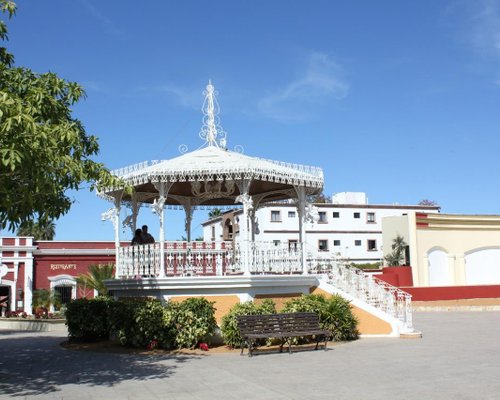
397,276
453,292
74,263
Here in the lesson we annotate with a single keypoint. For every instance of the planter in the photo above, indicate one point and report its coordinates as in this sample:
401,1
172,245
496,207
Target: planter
37,325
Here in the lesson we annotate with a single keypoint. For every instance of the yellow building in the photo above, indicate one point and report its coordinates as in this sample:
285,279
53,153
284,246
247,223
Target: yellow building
447,249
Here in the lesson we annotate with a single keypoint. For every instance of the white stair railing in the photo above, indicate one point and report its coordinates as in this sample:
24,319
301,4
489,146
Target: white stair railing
373,291
362,286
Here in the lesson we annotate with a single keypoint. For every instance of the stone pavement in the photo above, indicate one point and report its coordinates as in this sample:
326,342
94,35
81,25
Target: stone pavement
457,358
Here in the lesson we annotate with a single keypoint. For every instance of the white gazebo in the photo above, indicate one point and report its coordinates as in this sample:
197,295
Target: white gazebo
211,176
237,270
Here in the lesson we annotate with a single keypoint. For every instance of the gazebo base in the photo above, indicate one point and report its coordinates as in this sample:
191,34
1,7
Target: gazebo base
226,291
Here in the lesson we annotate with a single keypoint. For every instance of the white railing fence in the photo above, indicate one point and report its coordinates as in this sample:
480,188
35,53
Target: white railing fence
181,259
269,258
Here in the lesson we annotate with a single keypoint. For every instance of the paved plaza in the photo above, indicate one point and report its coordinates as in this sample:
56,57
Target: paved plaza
457,358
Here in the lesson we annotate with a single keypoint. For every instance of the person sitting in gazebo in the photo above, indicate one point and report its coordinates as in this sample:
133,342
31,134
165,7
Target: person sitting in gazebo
137,239
146,236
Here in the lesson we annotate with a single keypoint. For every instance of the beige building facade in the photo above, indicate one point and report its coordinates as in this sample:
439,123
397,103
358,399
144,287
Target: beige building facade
448,249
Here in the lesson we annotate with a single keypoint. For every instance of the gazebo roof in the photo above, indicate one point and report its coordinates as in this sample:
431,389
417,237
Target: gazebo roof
210,173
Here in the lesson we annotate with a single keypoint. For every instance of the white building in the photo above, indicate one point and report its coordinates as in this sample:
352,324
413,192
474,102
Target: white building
348,226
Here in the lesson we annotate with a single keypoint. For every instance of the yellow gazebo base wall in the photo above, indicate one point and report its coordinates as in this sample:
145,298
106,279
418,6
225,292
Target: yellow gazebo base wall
222,303
368,324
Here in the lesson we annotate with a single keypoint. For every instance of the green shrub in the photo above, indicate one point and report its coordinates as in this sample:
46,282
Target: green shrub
335,314
375,265
339,319
137,322
229,327
194,321
87,319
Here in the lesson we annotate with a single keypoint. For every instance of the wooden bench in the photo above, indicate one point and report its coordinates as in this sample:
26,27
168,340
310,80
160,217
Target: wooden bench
280,326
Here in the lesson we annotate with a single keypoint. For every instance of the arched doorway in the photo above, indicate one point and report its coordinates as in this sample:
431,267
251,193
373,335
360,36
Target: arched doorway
438,268
482,266
5,299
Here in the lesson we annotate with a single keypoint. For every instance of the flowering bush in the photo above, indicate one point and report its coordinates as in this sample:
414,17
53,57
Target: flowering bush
15,314
137,322
152,345
194,321
203,346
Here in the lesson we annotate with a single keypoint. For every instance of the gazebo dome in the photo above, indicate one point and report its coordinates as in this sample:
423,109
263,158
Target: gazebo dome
210,174
213,175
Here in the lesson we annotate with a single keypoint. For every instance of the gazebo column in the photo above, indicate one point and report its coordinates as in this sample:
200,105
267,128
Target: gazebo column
131,220
113,215
245,224
302,212
188,210
135,212
159,209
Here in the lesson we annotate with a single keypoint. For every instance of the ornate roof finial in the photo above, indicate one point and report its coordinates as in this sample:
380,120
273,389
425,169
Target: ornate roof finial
211,131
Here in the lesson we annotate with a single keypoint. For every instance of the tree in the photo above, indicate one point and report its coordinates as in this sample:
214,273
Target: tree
426,202
216,212
40,229
397,256
44,150
318,198
95,277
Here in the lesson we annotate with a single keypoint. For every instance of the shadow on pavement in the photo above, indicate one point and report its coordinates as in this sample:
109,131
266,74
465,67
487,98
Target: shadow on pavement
33,365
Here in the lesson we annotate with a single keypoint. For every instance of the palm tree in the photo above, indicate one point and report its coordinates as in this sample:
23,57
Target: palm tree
43,299
397,256
41,229
95,277
216,212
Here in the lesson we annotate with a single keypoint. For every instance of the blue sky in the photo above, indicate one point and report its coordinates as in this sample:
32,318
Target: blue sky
394,98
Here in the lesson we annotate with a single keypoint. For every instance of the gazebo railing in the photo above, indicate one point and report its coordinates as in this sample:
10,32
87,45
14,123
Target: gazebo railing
180,259
200,258
269,258
138,261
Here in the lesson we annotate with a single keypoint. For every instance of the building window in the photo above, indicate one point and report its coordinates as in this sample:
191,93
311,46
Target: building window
276,242
323,245
370,217
292,245
291,214
275,216
357,243
65,293
336,214
336,242
372,245
322,217
357,215
213,233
